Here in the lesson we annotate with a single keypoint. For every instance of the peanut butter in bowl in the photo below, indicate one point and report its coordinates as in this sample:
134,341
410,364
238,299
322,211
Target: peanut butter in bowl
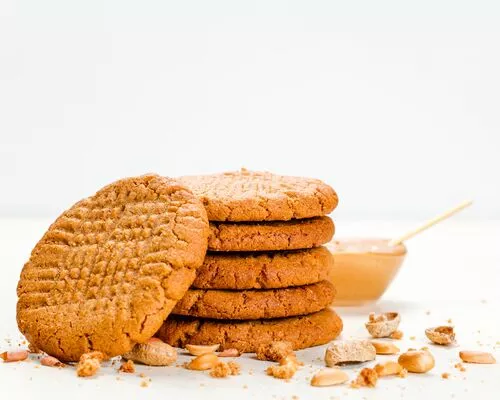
363,268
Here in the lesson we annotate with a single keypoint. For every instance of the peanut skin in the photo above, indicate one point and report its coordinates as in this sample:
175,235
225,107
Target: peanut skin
154,352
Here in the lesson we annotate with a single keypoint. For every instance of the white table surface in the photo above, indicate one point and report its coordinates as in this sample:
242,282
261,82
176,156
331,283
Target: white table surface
452,271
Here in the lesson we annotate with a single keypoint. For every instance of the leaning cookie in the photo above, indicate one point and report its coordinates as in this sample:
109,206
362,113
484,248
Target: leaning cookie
111,268
246,336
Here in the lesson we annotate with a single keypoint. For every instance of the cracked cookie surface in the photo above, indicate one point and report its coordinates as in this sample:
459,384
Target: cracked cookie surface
246,336
255,304
269,236
267,270
261,196
110,269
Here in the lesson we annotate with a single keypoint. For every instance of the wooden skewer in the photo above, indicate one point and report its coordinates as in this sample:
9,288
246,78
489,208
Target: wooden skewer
430,223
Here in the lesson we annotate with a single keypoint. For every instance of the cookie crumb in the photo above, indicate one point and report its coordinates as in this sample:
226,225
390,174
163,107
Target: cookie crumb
445,375
274,351
87,367
33,349
412,337
460,367
281,371
235,367
127,367
287,368
221,370
144,383
367,377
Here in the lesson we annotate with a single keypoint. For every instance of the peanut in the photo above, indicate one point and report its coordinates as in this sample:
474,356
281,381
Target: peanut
203,362
417,361
477,357
398,335
385,347
229,353
329,377
389,368
443,335
14,356
340,352
383,325
50,361
198,350
153,352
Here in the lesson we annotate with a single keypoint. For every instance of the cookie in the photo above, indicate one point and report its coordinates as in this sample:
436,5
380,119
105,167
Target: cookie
268,236
270,270
246,336
110,269
255,304
261,196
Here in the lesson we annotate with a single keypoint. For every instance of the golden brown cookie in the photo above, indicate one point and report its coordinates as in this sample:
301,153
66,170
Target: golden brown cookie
268,236
255,304
111,268
272,270
246,336
261,196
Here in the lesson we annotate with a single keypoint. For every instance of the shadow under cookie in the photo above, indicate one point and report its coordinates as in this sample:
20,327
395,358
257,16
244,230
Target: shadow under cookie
246,336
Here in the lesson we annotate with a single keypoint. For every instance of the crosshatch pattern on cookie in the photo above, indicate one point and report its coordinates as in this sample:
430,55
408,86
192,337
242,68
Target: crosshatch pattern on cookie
111,268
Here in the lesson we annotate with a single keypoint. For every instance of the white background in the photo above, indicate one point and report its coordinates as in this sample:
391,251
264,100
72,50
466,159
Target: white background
394,103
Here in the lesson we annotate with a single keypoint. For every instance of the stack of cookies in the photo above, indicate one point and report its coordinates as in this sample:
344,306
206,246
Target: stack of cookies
265,276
